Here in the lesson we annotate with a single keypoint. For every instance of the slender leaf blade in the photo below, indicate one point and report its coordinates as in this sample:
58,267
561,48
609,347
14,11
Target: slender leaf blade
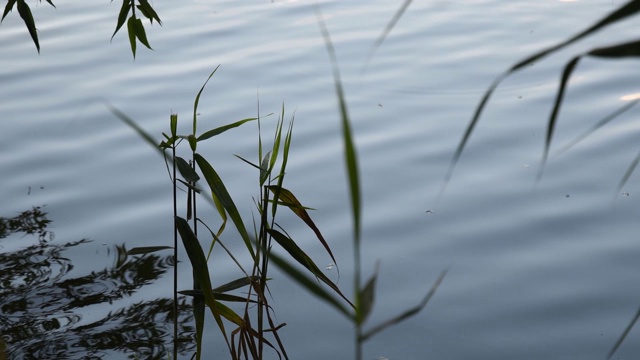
27,17
122,16
221,129
197,100
7,8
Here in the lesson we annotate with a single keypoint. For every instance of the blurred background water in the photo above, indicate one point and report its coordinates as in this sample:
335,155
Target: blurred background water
546,271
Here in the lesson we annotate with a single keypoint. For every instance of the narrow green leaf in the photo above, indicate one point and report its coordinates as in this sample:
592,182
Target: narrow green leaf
303,259
131,30
147,249
173,119
197,100
236,284
51,3
309,284
221,129
220,191
288,199
392,23
122,16
140,33
264,168
147,10
132,124
248,162
8,8
201,273
218,296
350,154
624,335
551,124
186,170
27,17
367,298
283,166
407,314
628,173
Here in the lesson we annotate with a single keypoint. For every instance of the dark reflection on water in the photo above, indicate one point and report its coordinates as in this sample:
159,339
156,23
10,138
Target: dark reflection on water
42,303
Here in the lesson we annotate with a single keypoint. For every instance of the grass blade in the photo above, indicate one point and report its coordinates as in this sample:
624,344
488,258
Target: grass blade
411,312
197,100
147,249
221,129
220,191
624,335
27,17
288,199
392,23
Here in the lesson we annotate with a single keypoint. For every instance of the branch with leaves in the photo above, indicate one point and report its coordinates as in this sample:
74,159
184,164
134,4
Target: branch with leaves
127,14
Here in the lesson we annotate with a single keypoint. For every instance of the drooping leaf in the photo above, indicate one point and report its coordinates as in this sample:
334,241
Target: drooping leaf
131,31
147,249
303,259
141,33
8,8
220,191
51,3
122,16
221,129
147,10
186,170
311,285
288,199
219,296
132,124
197,100
264,168
630,8
628,173
236,284
27,17
407,314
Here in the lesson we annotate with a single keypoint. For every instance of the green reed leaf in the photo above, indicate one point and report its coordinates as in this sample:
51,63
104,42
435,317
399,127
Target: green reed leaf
311,285
147,249
407,314
132,124
367,296
201,275
221,129
220,191
7,8
219,296
303,259
131,31
197,100
122,16
628,173
624,335
236,284
147,10
265,171
27,17
186,170
392,23
630,8
51,3
289,200
141,33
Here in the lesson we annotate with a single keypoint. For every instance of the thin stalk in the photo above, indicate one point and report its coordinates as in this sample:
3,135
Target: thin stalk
175,258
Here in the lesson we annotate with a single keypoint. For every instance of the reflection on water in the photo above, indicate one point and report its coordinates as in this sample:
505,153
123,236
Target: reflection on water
40,298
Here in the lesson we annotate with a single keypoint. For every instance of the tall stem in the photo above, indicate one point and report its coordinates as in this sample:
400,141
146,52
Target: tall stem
175,258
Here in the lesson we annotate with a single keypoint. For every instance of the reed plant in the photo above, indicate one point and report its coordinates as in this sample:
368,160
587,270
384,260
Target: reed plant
610,51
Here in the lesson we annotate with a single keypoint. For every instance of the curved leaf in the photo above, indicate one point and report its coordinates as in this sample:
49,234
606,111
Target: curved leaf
122,16
131,30
140,33
221,129
27,17
8,8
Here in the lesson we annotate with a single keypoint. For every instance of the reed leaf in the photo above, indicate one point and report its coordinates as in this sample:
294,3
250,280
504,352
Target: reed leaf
219,130
197,100
630,8
27,17
303,259
147,249
367,296
220,191
7,8
406,314
122,16
289,200
624,335
309,284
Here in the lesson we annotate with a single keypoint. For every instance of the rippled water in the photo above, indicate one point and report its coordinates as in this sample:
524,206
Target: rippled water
536,272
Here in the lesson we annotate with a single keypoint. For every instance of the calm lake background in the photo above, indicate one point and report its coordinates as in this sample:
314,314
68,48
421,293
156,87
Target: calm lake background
535,272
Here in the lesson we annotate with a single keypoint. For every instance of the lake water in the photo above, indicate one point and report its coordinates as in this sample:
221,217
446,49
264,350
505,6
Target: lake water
546,271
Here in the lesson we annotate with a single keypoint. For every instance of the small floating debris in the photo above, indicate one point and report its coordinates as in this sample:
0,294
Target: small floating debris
567,195
625,194
429,212
330,266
